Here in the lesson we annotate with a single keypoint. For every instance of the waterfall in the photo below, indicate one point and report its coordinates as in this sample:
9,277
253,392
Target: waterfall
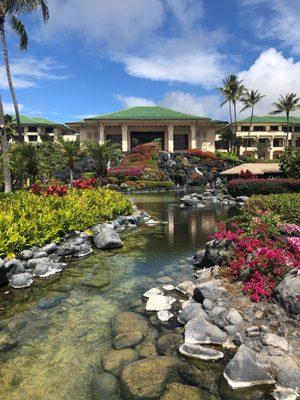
198,171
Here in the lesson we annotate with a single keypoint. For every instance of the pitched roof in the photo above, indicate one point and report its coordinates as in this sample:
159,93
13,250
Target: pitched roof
147,112
35,121
255,168
270,119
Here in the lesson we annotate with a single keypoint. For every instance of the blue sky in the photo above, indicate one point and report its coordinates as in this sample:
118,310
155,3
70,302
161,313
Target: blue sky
98,56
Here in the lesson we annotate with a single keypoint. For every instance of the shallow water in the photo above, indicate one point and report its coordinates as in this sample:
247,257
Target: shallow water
59,349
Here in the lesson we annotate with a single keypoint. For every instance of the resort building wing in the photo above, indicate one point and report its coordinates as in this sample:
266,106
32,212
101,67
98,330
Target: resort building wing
175,131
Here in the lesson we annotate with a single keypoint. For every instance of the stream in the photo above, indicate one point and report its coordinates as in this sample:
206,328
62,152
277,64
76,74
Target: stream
56,351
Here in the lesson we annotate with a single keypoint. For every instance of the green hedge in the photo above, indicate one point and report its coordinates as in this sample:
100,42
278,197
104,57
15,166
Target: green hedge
249,187
150,184
27,219
286,206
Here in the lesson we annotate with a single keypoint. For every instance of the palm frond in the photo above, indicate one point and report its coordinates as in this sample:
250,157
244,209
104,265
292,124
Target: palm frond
18,27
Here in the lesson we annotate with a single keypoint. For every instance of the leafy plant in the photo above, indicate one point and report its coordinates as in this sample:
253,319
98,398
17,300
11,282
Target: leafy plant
249,187
290,162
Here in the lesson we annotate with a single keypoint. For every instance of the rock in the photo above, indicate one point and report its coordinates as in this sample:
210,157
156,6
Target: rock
190,202
146,349
130,321
159,303
105,386
287,291
66,250
242,199
231,329
203,275
270,339
83,250
41,269
128,339
200,331
200,352
32,263
177,391
198,257
210,291
164,315
40,254
108,239
234,317
153,291
215,251
114,360
26,255
207,304
21,281
287,371
281,393
96,282
186,288
191,311
49,248
13,267
168,344
168,288
147,378
7,342
51,302
243,370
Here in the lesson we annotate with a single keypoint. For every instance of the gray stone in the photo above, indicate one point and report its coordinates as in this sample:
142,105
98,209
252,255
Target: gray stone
287,371
207,304
211,292
26,255
83,250
105,387
51,302
231,329
281,393
159,303
40,254
234,317
186,288
20,281
190,202
242,199
191,311
152,292
200,331
115,360
287,291
49,248
13,267
168,344
36,261
270,339
66,250
164,315
108,239
243,370
128,339
200,352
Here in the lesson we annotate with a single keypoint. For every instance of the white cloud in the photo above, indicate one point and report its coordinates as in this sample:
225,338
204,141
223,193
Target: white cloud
131,101
9,108
28,71
272,74
279,19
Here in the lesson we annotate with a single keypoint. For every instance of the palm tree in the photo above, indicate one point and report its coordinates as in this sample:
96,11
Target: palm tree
102,154
5,153
70,151
286,105
232,90
9,11
250,100
25,162
10,127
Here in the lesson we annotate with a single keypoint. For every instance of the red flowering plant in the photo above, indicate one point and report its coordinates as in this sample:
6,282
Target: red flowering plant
247,174
202,154
56,190
85,183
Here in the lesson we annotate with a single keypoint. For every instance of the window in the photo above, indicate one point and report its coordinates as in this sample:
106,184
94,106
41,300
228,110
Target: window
245,128
278,142
259,128
32,129
221,145
96,135
204,135
49,130
181,142
284,128
263,141
296,128
298,143
116,139
274,128
32,138
248,142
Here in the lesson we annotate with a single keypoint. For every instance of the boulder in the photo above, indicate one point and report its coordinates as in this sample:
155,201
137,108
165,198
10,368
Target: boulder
26,255
200,331
159,303
67,250
215,251
191,311
83,250
147,378
281,393
244,371
114,360
197,259
105,386
287,371
21,281
108,239
168,344
49,248
40,254
153,291
186,288
32,263
7,342
51,302
234,317
242,199
177,391
130,321
200,352
164,315
13,267
190,201
287,291
146,349
270,339
3,276
210,291
128,339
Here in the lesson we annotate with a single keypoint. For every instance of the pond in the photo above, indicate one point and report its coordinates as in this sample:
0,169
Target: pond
55,352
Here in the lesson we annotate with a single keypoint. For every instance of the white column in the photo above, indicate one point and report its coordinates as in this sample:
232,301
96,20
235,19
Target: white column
193,136
39,133
171,138
101,133
124,137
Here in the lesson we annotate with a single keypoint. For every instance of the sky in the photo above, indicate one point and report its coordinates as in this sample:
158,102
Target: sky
100,56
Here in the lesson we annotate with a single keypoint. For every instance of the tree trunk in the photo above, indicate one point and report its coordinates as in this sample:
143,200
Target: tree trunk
9,79
287,129
230,111
71,177
5,153
250,126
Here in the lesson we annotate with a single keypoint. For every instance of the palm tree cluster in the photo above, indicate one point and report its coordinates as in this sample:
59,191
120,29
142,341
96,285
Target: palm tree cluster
234,91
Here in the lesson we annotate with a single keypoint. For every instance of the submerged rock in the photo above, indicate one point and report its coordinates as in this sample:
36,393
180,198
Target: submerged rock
21,281
105,386
168,344
7,342
147,379
130,321
177,391
108,239
114,360
244,371
128,339
200,331
51,302
200,352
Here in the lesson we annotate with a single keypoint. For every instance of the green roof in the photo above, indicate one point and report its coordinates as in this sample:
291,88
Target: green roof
270,119
147,113
35,121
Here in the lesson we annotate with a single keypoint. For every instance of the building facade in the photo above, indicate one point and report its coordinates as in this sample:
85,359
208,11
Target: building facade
270,132
175,131
34,129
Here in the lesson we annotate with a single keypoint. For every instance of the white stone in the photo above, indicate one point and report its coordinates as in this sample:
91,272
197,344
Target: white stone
152,222
168,288
200,352
282,393
159,303
164,315
186,288
270,339
153,292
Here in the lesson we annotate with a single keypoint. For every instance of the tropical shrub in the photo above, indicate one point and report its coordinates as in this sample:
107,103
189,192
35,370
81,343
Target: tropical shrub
290,162
201,154
150,184
228,157
247,174
248,187
27,219
88,183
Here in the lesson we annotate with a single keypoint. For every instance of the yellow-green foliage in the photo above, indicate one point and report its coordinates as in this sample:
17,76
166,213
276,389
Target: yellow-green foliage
27,219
